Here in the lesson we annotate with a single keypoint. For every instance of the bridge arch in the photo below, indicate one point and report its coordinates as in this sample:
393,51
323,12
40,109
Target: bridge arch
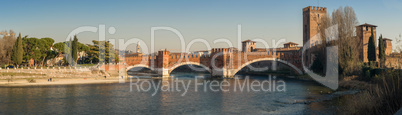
188,63
139,65
268,59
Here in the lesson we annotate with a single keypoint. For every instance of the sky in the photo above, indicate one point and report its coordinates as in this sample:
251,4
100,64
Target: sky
208,20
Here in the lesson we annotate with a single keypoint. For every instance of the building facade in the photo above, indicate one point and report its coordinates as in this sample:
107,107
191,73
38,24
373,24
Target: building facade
290,45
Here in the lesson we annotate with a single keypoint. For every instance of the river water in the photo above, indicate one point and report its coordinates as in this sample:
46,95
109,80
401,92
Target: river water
208,98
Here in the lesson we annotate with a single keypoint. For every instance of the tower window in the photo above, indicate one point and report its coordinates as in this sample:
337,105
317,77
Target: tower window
366,28
318,15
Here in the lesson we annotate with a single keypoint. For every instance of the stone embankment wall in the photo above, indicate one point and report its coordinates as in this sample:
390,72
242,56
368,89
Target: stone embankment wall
112,67
51,72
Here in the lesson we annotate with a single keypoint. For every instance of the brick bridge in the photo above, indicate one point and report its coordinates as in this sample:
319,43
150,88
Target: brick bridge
225,62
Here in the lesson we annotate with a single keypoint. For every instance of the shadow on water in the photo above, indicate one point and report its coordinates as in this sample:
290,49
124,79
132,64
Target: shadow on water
186,72
142,72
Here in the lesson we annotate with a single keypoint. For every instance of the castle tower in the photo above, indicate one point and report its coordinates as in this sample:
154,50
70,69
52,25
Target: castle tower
138,47
248,46
311,21
163,63
363,32
222,61
387,45
163,59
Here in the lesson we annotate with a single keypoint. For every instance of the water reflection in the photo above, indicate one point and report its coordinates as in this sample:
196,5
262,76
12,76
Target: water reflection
117,98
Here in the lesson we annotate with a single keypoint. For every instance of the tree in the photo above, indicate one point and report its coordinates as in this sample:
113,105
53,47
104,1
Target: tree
103,52
63,47
59,47
341,25
31,49
75,50
82,47
381,50
371,51
46,43
68,51
18,51
6,47
37,49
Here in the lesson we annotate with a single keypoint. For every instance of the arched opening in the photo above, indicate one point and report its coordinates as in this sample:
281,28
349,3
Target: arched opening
140,70
190,71
264,67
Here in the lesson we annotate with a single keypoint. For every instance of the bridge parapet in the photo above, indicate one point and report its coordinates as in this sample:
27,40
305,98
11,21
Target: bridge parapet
220,61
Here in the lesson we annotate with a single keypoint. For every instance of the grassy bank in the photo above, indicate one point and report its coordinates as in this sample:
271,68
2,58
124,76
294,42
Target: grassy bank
20,74
381,95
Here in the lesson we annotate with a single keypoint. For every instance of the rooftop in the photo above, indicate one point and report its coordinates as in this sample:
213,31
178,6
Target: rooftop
369,25
290,43
247,41
386,39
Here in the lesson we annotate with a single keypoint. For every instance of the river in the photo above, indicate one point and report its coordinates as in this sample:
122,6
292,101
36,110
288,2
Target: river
118,99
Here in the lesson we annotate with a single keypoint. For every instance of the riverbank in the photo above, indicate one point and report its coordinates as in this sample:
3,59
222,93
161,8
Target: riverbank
23,77
57,81
380,95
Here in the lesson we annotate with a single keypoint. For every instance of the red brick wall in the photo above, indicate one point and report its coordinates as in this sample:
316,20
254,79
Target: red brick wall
224,58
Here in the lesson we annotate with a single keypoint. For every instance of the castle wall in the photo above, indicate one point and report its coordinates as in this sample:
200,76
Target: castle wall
394,61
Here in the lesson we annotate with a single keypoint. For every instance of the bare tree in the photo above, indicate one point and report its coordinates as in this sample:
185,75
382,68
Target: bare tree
6,46
348,44
398,45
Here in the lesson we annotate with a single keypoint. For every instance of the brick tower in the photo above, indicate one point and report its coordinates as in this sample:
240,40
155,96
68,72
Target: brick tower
163,62
363,32
248,46
311,20
163,59
387,45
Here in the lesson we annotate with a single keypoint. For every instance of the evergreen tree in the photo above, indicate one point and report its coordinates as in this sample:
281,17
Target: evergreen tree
102,52
18,51
14,51
381,50
68,51
75,49
371,51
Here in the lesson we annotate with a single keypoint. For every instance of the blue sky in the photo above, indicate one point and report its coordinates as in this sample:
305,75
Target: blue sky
195,19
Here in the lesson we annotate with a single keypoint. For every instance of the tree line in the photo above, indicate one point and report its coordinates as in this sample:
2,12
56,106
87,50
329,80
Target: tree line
20,50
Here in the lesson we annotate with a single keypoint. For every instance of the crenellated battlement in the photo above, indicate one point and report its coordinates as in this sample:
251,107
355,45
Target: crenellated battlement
178,56
231,61
221,50
314,8
226,62
163,52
